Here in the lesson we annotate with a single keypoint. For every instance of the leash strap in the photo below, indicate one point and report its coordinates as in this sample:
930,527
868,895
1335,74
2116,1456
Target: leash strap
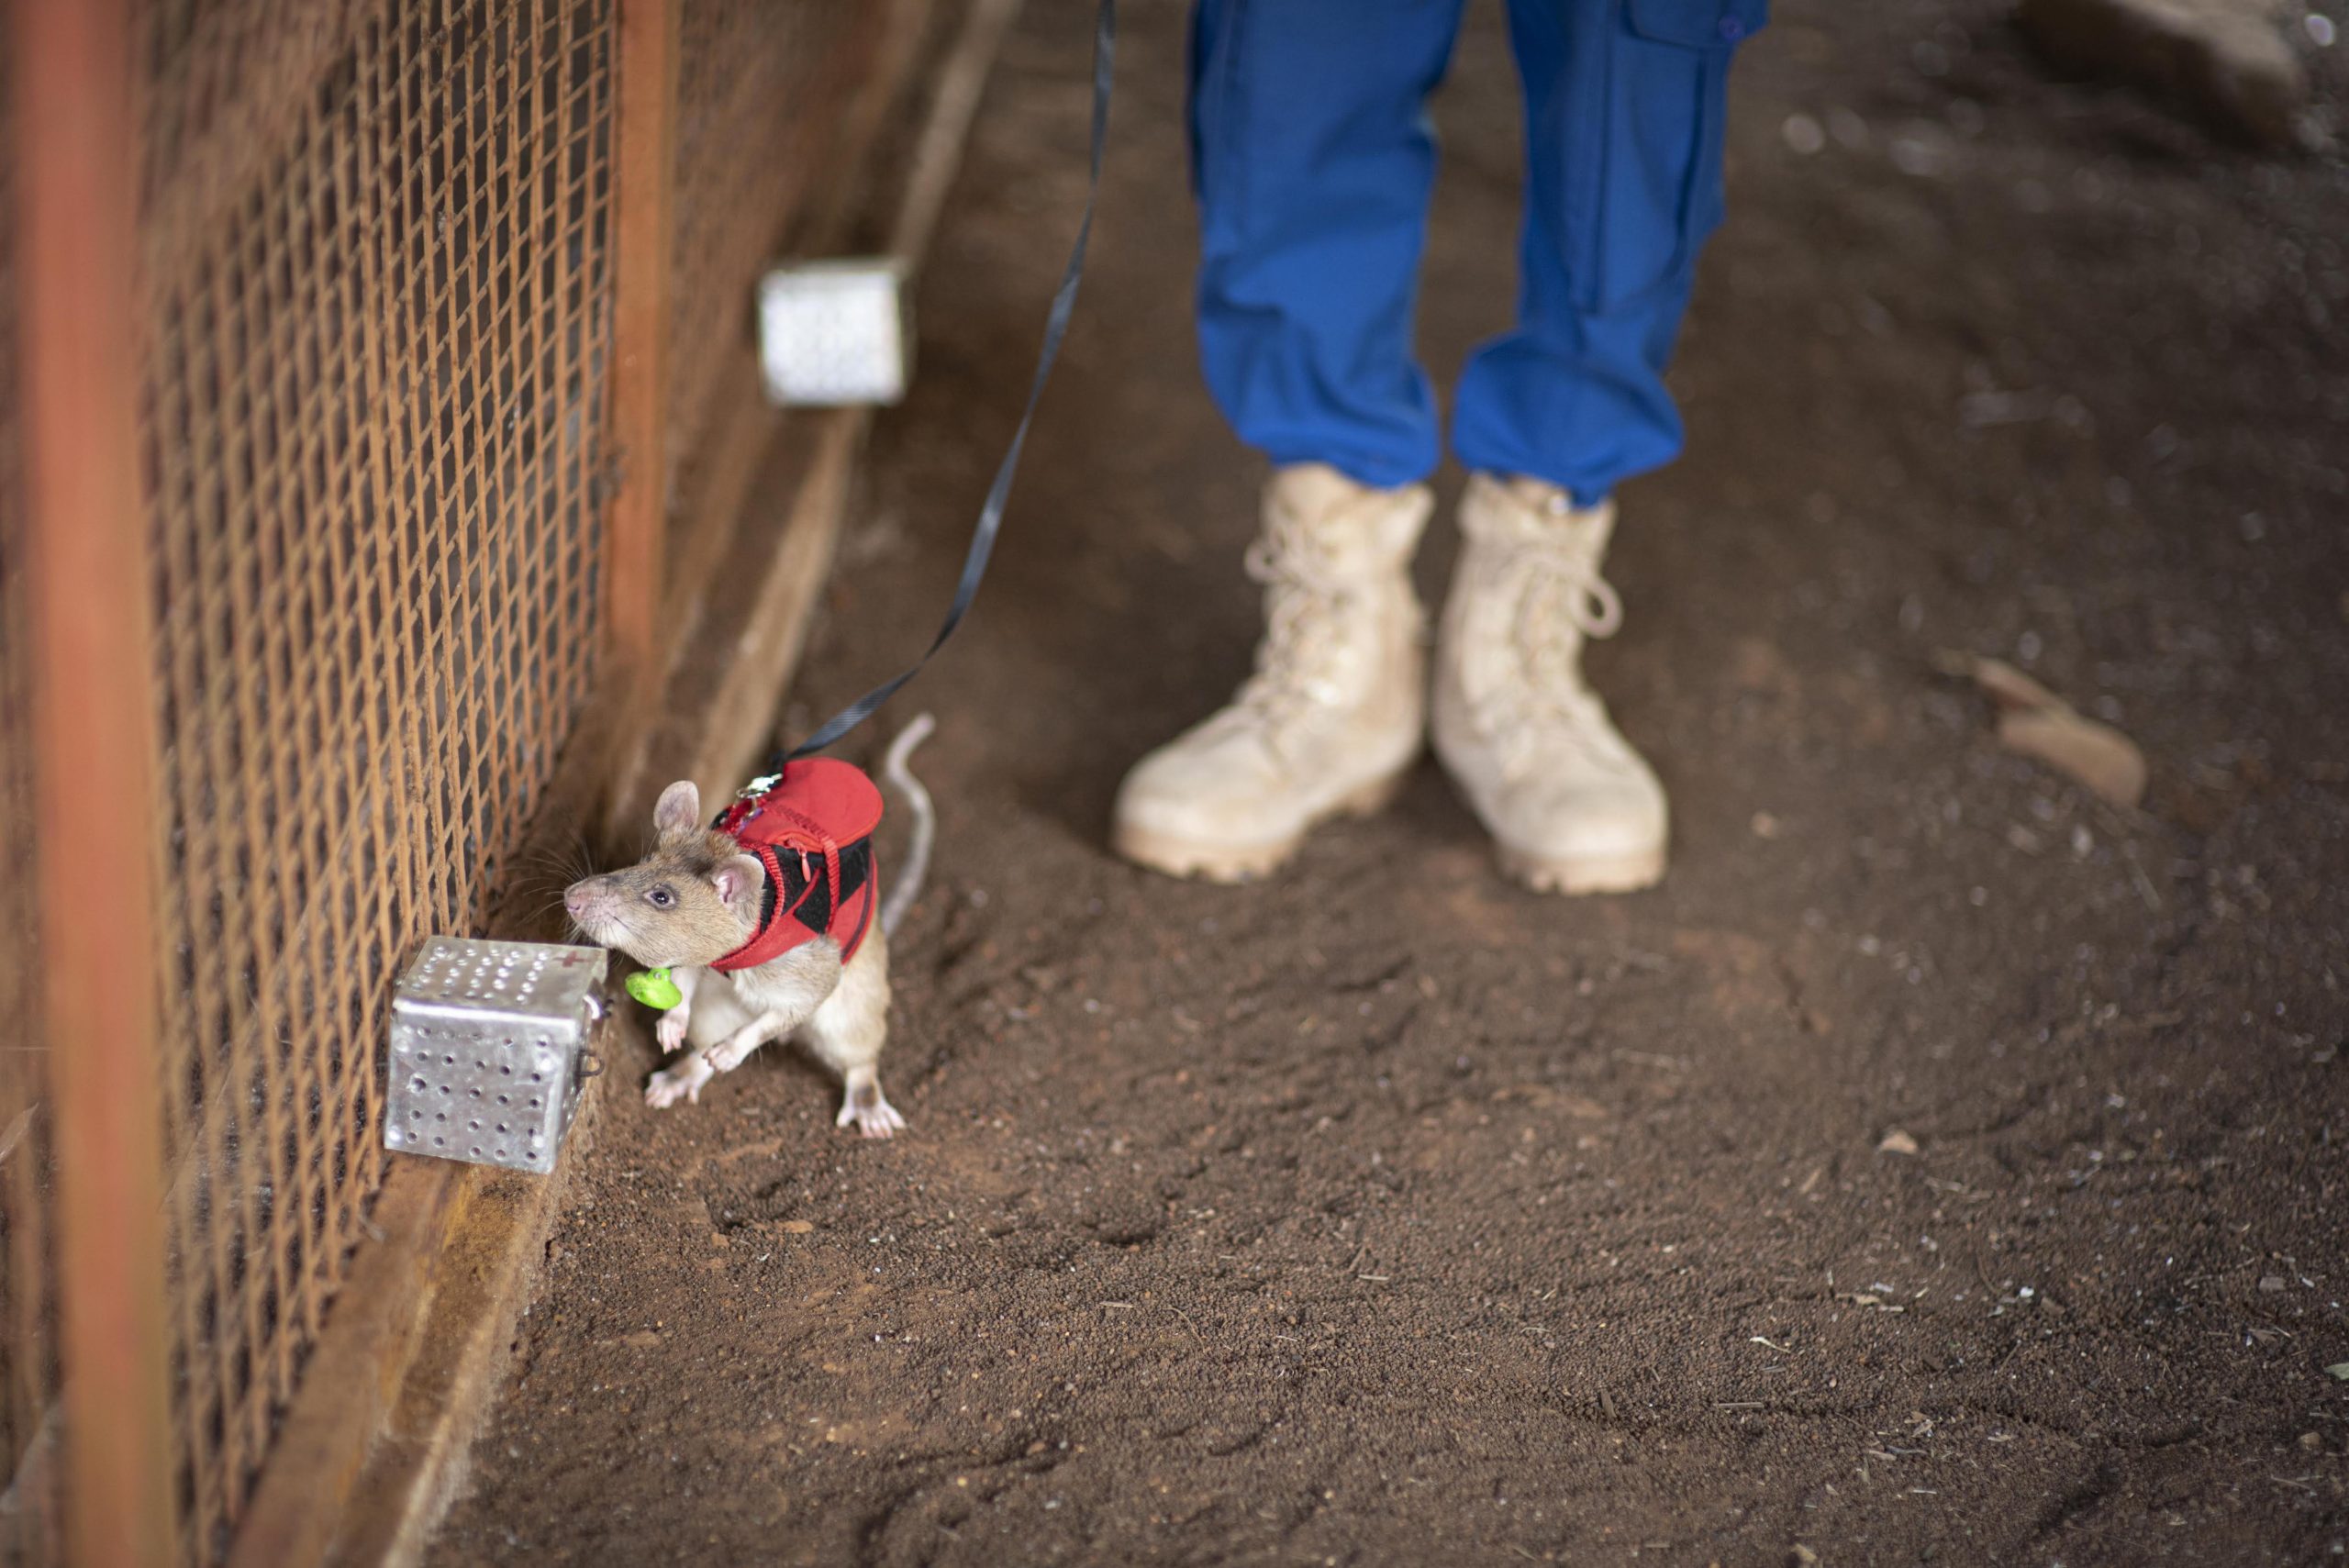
975,564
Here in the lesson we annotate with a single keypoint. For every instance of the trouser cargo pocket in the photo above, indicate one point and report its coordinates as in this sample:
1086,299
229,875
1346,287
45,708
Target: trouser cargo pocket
1650,143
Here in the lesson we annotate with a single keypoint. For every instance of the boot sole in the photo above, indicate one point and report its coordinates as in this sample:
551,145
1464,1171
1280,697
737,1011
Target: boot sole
1228,862
1575,876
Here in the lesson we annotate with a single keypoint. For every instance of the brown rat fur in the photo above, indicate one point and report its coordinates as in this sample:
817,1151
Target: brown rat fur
697,898
690,902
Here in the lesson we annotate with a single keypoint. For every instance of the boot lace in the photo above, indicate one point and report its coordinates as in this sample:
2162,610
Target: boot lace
1523,675
1296,661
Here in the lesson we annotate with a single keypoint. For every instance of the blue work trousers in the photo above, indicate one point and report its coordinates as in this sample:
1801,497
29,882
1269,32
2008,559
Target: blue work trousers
1313,159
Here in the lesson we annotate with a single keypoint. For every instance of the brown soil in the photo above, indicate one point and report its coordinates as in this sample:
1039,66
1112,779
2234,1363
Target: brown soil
1383,1212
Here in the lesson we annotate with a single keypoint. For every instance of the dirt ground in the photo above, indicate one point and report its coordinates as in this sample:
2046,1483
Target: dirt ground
1383,1213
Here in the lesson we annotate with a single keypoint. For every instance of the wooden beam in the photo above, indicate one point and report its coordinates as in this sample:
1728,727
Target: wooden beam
753,631
716,719
954,107
297,1507
482,1280
644,232
93,743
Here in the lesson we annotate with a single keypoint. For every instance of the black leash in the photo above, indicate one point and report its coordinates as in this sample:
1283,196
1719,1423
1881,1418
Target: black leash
975,564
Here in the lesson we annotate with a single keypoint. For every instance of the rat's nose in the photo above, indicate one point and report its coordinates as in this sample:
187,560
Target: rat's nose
575,898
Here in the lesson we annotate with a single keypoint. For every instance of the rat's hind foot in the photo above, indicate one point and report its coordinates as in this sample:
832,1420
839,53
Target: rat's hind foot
866,1108
880,1119
683,1081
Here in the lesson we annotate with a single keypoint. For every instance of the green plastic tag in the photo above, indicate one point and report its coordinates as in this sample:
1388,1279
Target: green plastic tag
654,989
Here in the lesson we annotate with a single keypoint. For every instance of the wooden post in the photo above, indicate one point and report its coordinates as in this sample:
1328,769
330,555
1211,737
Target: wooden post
93,738
644,234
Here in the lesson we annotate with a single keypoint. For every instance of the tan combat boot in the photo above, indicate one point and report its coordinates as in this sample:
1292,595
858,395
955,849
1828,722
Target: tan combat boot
1570,805
1333,717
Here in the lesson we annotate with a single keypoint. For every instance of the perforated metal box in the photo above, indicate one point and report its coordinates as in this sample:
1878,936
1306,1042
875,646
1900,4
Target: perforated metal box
837,332
490,1044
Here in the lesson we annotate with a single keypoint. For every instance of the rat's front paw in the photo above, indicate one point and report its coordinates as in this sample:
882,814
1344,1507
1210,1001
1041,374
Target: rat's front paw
682,1082
732,1052
671,1030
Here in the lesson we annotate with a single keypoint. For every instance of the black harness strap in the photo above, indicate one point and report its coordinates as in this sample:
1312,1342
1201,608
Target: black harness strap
806,897
975,564
809,899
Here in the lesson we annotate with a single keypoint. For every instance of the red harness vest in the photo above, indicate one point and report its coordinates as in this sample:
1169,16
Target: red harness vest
811,826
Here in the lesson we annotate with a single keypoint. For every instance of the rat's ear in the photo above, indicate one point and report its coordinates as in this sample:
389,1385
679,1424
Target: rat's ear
741,877
678,814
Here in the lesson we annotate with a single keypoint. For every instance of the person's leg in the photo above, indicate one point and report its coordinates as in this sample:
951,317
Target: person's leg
1624,109
1312,161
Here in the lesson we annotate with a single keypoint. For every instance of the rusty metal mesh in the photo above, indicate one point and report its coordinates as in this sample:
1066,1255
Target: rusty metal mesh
376,304
763,91
375,310
27,1301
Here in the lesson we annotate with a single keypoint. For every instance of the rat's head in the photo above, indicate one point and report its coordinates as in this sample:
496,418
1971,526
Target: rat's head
694,898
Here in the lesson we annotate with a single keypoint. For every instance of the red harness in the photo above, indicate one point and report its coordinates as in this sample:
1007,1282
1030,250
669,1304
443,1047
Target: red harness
811,826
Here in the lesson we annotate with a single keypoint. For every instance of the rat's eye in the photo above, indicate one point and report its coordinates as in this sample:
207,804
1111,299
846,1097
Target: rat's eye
662,898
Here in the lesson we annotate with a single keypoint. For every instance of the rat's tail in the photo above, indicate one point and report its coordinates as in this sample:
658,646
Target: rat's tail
908,886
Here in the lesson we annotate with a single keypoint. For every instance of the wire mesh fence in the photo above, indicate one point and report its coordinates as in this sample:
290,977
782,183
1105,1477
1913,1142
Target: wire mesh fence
376,304
27,1302
377,309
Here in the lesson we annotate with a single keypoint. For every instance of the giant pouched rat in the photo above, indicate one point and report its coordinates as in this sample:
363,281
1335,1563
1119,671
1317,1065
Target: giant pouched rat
697,898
